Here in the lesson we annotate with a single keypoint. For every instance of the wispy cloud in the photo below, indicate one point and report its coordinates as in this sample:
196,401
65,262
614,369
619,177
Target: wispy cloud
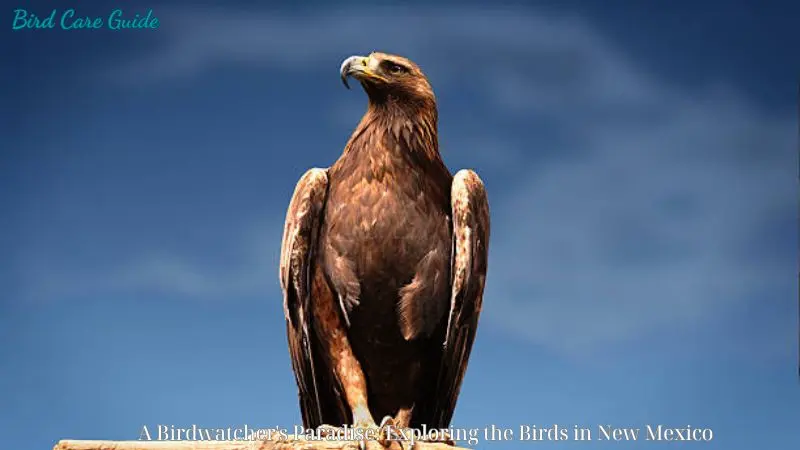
176,276
451,43
640,223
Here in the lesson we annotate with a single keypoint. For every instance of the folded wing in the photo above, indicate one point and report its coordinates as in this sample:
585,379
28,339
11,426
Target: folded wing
300,235
470,209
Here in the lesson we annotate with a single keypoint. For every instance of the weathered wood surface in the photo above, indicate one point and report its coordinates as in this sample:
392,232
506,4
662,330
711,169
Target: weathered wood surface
276,444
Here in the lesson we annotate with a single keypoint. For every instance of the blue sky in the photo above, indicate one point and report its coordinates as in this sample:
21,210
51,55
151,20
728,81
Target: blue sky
641,167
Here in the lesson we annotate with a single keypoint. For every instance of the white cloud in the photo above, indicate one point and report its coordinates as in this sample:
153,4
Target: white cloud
642,229
647,229
450,43
255,274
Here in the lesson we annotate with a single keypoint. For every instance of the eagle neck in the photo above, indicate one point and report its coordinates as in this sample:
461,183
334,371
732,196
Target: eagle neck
409,128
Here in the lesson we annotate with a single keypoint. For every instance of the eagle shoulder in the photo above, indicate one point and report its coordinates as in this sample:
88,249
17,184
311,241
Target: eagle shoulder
300,233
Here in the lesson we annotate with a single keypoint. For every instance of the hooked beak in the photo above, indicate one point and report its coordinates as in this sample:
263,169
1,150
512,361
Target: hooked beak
358,67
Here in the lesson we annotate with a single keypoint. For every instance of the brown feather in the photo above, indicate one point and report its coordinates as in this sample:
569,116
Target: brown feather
470,258
318,401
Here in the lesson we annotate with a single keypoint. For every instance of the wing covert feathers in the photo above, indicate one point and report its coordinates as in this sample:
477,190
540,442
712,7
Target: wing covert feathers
300,234
470,209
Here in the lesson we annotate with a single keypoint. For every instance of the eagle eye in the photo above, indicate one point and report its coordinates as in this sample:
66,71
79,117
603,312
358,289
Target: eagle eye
394,68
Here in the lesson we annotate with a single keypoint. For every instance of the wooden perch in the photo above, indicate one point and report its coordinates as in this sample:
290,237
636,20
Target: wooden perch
276,444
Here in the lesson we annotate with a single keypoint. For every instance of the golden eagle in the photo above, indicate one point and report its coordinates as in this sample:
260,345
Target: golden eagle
383,265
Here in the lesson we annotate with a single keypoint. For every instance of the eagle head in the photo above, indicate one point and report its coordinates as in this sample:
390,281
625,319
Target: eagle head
385,76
